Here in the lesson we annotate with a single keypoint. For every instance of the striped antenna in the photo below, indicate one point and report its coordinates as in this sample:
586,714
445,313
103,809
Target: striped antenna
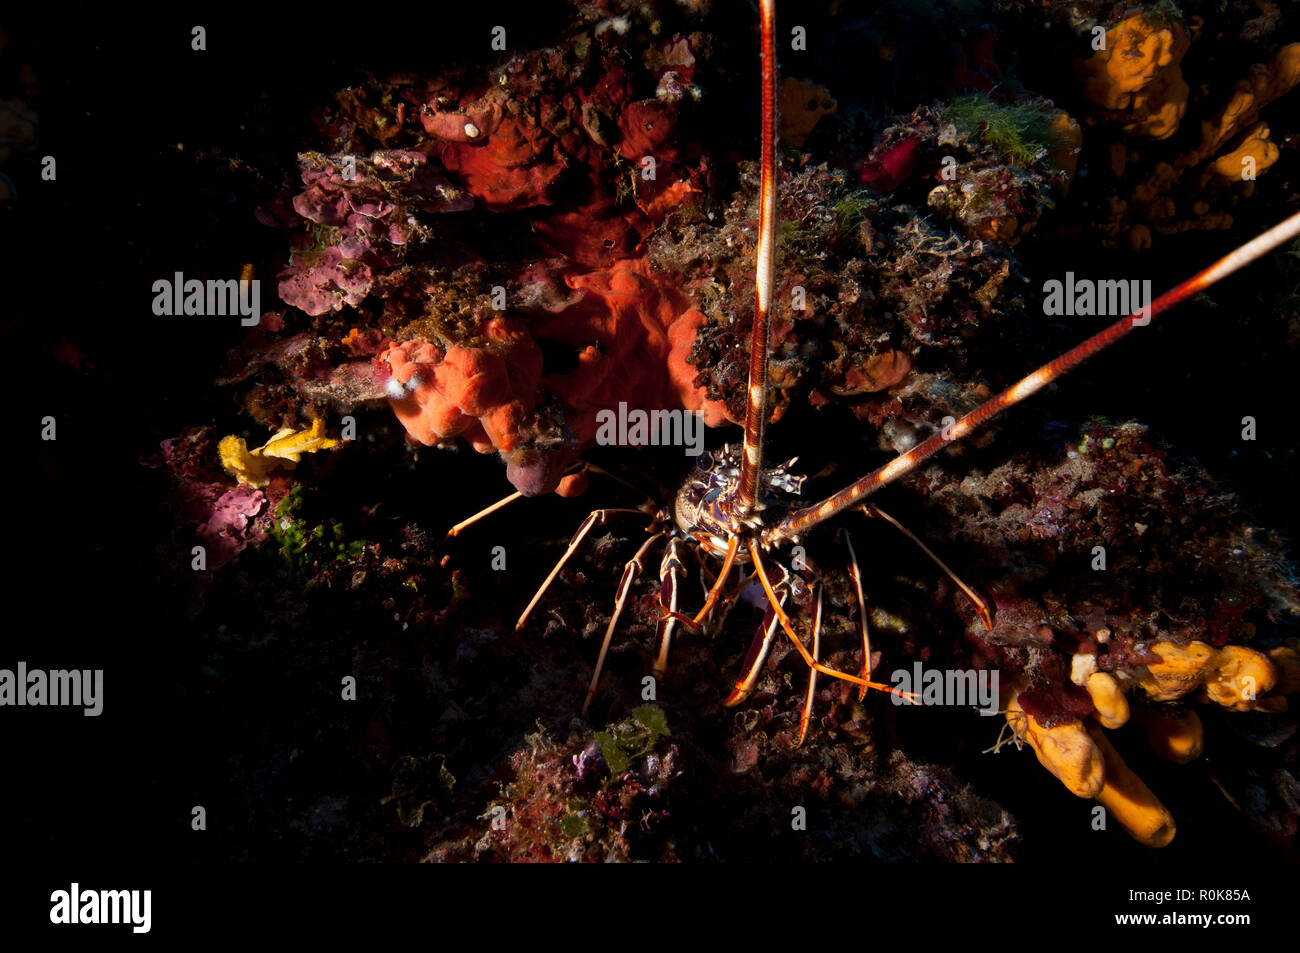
802,520
745,501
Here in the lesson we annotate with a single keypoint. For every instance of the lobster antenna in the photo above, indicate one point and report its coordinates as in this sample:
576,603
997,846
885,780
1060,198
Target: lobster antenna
746,498
804,519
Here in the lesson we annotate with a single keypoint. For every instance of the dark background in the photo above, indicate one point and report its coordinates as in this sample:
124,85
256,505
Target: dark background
82,589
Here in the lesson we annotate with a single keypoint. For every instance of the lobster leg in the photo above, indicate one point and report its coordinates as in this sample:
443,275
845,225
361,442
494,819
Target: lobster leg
596,516
576,469
486,511
732,548
856,575
806,716
755,657
982,607
671,569
630,572
811,662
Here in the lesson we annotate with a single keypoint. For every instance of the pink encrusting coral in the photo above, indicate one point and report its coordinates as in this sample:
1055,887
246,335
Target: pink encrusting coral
362,211
230,526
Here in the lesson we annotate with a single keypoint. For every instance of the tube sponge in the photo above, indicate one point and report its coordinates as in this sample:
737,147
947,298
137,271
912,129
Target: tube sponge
1175,736
1065,750
1108,698
1129,800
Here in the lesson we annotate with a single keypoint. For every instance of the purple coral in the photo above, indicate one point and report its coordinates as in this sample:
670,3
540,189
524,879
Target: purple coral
363,214
231,526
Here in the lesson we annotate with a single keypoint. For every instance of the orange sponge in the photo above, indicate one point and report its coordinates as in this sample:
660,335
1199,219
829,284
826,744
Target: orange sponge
1065,750
1138,77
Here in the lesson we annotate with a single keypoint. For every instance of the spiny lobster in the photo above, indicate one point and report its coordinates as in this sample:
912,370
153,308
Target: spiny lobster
734,508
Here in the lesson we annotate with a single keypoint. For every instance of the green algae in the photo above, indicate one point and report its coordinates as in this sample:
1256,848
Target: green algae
1163,14
301,543
574,825
1019,132
628,740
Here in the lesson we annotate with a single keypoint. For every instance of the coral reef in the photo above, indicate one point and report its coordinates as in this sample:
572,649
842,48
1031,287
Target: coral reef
384,247
875,288
1120,490
483,257
477,392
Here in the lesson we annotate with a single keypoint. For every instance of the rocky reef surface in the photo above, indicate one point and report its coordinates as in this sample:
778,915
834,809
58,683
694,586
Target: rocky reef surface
473,259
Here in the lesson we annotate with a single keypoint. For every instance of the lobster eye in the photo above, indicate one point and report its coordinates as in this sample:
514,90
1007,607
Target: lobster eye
705,462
